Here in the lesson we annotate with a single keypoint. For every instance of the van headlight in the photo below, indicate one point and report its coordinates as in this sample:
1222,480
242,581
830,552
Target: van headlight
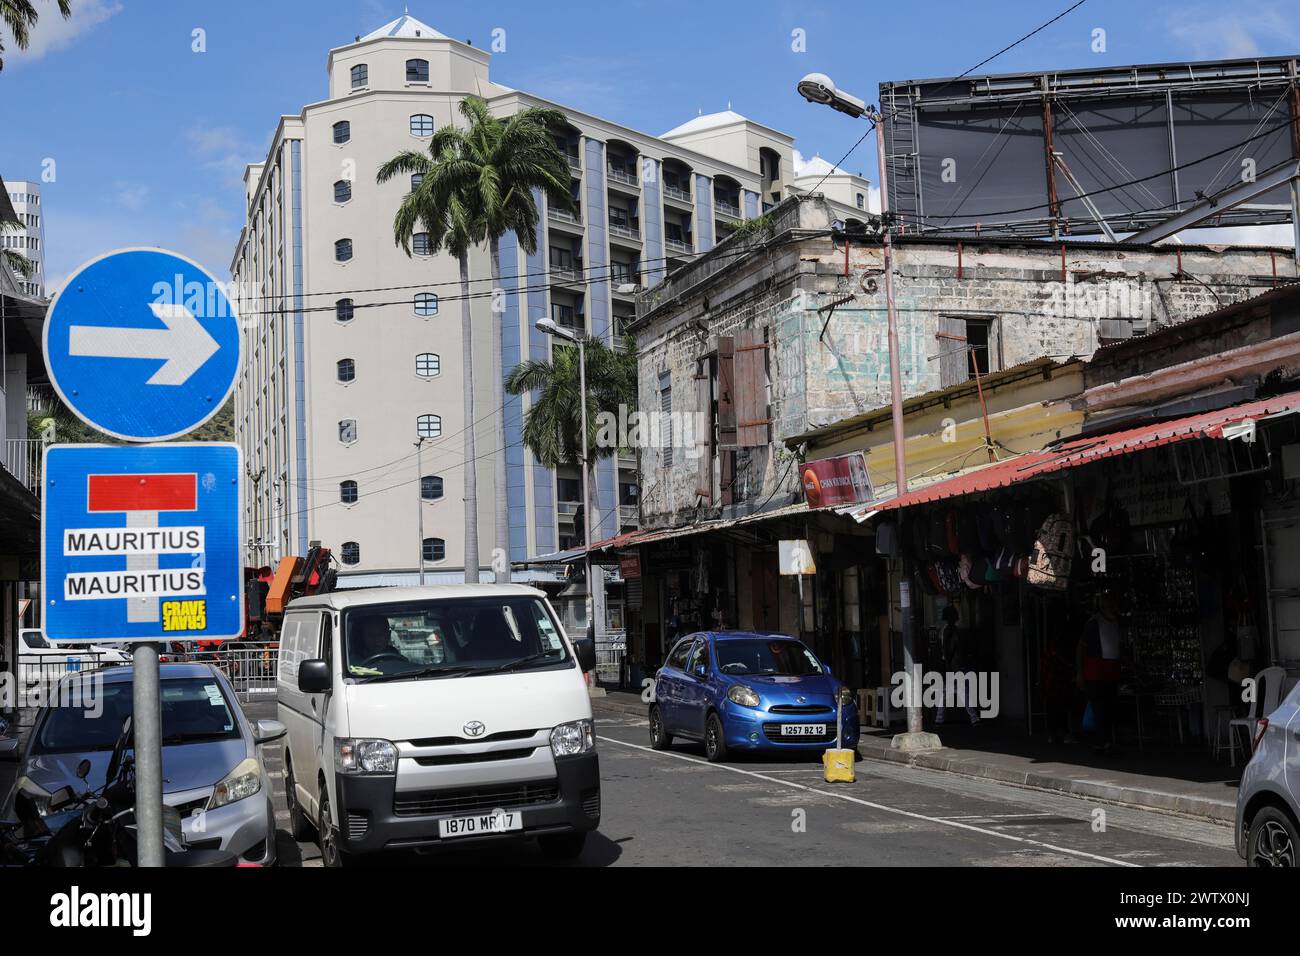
244,781
742,695
573,738
363,755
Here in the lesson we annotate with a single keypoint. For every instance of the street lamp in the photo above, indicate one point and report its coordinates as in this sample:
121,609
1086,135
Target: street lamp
820,88
549,327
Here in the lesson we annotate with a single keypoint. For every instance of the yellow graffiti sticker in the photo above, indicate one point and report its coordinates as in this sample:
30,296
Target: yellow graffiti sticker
185,615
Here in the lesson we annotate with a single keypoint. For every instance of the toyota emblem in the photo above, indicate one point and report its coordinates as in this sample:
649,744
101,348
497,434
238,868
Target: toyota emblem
474,728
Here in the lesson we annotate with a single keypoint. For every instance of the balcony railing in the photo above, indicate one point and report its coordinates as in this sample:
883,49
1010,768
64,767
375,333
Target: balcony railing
564,215
621,277
621,176
725,208
575,161
628,514
677,245
674,192
566,273
632,231
567,509
23,460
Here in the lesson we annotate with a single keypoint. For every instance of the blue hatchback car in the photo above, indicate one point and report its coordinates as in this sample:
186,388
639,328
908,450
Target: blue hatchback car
744,690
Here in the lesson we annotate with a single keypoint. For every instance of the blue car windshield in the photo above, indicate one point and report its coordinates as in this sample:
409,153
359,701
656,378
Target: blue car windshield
764,656
193,709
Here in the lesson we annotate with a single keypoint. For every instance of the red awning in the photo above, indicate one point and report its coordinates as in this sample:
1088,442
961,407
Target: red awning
1087,449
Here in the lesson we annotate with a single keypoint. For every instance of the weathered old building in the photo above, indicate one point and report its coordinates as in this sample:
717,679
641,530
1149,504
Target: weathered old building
781,330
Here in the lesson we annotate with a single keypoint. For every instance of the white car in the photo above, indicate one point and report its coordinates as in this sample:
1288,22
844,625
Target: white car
39,661
436,716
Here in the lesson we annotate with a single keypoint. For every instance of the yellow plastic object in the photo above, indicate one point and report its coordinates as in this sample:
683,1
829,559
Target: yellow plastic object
838,765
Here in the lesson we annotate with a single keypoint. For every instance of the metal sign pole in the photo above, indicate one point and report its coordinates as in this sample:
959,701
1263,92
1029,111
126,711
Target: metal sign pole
146,725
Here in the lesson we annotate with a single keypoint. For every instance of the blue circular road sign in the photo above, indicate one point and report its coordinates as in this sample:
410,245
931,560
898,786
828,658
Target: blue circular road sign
143,344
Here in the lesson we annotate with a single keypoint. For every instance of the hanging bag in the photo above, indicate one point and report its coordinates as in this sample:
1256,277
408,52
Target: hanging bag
1053,556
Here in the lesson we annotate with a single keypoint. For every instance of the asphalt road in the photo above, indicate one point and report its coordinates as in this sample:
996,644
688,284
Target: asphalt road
675,808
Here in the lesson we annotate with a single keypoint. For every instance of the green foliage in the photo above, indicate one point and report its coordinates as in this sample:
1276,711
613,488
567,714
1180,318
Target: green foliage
20,16
68,429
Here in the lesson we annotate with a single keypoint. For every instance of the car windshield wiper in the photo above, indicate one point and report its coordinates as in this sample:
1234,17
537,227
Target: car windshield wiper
195,738
453,671
521,662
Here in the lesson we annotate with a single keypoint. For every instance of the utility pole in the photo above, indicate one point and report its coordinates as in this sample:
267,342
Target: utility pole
419,500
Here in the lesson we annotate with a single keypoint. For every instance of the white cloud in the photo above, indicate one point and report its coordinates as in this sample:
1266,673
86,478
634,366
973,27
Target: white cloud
223,150
52,32
1279,235
1213,31
130,195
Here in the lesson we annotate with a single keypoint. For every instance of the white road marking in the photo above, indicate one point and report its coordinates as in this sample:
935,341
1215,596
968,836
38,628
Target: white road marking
957,824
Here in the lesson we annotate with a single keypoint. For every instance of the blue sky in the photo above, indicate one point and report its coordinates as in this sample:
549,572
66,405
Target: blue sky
150,138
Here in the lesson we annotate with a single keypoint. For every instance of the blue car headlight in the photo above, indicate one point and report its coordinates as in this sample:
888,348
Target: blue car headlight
742,695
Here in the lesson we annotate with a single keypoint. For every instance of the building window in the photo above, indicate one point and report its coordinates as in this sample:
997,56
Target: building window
416,179
417,71
666,408
977,341
430,487
347,370
568,489
435,549
360,76
427,364
426,303
420,244
342,190
348,492
350,553
343,250
344,310
428,426
342,132
862,203
421,124
348,431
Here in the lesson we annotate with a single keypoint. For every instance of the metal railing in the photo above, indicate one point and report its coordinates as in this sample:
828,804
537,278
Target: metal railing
724,208
673,192
250,667
565,274
628,514
23,458
628,232
621,176
567,509
555,212
677,245
44,671
575,162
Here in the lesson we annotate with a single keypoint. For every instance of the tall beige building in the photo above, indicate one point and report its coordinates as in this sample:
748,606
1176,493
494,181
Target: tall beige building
353,348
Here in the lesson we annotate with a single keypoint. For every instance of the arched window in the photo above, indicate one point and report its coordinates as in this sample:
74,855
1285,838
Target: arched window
347,370
421,124
348,431
427,364
420,244
350,553
417,71
360,76
348,492
342,132
428,426
426,303
435,549
342,190
344,310
430,487
858,198
342,250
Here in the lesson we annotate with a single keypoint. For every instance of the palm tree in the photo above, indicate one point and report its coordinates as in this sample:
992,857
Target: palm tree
553,423
15,261
476,185
20,16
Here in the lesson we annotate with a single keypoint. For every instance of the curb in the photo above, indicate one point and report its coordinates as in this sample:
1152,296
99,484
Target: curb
1203,808
633,708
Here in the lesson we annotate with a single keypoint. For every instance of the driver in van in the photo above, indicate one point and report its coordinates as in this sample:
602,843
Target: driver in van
371,637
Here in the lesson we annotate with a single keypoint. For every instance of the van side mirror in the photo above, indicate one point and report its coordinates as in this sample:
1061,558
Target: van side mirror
584,648
314,677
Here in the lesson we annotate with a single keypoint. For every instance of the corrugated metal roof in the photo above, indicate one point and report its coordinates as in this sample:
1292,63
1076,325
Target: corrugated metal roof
1083,451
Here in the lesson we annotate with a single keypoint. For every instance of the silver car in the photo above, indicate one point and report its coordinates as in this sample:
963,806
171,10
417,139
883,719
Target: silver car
213,772
1268,802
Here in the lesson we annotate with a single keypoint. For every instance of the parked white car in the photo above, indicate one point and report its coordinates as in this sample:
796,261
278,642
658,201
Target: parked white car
40,661
435,716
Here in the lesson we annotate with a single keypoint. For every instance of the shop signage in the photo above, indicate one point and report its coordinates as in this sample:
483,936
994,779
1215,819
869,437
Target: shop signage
629,564
836,481
1147,487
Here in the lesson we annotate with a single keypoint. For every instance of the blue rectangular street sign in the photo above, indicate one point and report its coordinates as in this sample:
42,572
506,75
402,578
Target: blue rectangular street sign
142,542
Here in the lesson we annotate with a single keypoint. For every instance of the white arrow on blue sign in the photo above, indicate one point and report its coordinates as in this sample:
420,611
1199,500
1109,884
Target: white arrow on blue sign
142,543
143,344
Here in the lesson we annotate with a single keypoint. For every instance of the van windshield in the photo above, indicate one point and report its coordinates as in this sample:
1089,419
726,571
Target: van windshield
449,637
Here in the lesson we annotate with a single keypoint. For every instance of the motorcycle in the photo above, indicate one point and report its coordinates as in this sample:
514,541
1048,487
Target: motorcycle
95,827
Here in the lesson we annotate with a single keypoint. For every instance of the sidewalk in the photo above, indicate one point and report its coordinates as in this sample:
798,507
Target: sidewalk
1182,780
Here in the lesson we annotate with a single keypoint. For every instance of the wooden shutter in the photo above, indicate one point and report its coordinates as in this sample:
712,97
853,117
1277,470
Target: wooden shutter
703,430
726,416
750,381
954,362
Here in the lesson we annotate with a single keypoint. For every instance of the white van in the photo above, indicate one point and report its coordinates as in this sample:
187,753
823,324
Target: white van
429,716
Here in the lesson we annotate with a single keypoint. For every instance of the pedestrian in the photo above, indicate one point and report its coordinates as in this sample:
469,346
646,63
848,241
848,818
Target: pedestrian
1099,666
955,658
